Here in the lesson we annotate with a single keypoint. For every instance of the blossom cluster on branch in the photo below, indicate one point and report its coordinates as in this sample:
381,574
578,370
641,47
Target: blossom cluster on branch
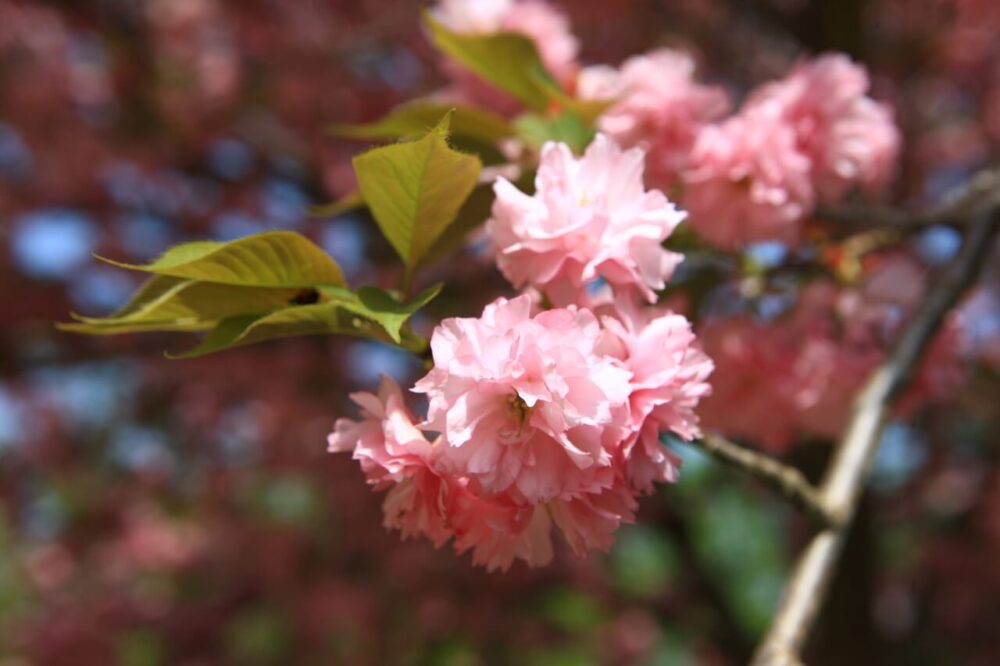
548,409
542,418
754,175
798,375
551,405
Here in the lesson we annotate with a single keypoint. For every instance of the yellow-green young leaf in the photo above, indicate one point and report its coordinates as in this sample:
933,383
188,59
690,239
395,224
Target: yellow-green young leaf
382,307
534,130
508,60
416,118
269,259
187,305
188,252
150,290
370,312
340,206
474,212
414,190
188,326
316,319
389,312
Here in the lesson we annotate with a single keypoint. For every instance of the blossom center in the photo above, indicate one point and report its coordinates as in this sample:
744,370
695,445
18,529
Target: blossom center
517,412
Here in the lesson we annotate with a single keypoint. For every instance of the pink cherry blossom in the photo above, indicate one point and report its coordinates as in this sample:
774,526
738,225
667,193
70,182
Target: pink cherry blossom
589,522
850,138
526,403
546,421
499,531
748,181
472,16
748,399
589,218
669,374
395,454
424,498
386,442
661,107
777,381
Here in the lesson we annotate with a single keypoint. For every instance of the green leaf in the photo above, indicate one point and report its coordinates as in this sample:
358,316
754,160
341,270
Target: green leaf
417,118
415,189
340,206
269,259
136,327
473,130
241,330
189,305
382,307
370,312
568,128
243,315
508,60
310,297
149,291
473,213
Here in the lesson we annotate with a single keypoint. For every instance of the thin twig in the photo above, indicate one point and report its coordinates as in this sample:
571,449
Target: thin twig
852,460
779,477
958,206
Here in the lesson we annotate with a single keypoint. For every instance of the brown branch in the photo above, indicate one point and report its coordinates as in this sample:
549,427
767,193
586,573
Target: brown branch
779,477
958,206
849,469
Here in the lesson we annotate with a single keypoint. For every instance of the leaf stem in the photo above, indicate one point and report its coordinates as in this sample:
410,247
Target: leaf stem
406,283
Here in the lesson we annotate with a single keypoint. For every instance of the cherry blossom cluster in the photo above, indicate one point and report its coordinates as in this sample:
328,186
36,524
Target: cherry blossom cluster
755,175
543,418
547,410
749,176
797,376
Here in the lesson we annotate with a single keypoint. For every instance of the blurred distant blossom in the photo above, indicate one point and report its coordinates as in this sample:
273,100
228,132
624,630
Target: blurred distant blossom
589,218
151,540
798,375
850,138
193,43
748,180
471,17
756,175
660,107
